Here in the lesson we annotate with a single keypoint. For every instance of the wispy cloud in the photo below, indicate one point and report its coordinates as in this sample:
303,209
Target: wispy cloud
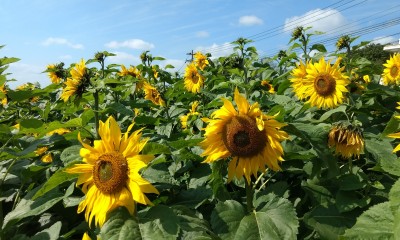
319,19
217,50
61,41
250,20
24,73
131,43
202,34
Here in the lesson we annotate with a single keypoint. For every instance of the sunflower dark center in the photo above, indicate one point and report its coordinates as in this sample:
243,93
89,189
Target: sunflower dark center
394,71
110,172
195,78
324,84
242,137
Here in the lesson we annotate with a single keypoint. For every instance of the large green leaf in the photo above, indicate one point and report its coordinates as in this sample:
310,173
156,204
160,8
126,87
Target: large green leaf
27,207
226,218
51,233
160,222
382,152
121,225
275,219
375,223
328,222
54,181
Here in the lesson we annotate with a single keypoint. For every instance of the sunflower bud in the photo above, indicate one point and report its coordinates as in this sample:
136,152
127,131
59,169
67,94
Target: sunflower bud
297,32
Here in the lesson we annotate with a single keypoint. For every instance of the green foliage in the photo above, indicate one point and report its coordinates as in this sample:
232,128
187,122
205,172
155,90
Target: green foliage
318,194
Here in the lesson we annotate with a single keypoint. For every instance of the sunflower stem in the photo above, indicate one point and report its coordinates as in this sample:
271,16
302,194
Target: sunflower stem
259,179
249,195
96,112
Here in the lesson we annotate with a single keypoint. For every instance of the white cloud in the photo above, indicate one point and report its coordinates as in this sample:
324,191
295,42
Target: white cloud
124,58
385,40
61,41
131,43
202,34
217,50
250,20
24,73
320,20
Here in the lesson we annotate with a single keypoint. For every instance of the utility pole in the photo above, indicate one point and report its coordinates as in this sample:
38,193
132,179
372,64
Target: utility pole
191,54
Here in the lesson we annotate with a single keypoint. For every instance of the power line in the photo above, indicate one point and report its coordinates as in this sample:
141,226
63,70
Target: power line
278,29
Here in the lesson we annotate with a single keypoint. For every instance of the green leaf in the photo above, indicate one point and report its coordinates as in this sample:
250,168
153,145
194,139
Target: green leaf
155,148
394,197
54,181
326,115
226,218
329,223
27,207
391,126
275,219
121,225
178,144
319,47
51,233
382,151
71,154
30,123
189,223
160,222
375,223
349,200
20,95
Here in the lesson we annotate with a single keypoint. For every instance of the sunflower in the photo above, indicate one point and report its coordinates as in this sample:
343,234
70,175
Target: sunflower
391,73
3,90
200,60
46,158
55,72
110,172
193,79
155,72
347,140
132,71
250,137
77,83
298,75
267,86
192,112
152,94
324,84
59,131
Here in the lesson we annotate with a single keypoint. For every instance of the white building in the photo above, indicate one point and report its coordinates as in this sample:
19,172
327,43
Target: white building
392,47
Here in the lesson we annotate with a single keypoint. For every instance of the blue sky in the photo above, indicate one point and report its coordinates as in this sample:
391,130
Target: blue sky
41,32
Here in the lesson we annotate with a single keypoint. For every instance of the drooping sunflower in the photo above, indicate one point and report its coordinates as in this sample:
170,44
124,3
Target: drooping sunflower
200,60
110,172
152,94
77,83
391,73
193,79
56,72
251,138
347,140
298,75
324,84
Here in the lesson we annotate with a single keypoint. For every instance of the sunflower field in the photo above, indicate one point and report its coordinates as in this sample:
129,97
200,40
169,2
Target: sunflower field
298,146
